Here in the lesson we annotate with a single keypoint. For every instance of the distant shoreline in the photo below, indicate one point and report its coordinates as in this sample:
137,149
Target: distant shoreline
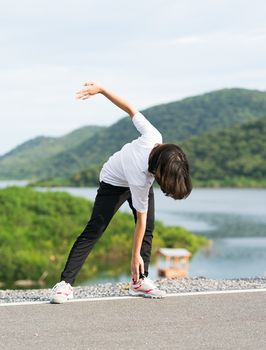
247,183
226,183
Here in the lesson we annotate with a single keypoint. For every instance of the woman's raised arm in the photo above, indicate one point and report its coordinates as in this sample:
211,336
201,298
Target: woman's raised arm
92,88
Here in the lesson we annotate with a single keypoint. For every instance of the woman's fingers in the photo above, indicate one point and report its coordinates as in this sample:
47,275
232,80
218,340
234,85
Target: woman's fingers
90,90
83,93
142,267
135,272
83,97
88,83
135,276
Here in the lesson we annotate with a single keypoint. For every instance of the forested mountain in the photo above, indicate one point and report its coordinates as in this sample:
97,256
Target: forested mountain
27,159
178,122
230,157
233,156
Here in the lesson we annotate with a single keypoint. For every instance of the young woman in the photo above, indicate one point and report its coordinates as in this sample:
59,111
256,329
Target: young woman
128,176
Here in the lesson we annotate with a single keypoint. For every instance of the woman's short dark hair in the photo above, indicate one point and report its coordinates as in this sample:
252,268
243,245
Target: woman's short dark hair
169,165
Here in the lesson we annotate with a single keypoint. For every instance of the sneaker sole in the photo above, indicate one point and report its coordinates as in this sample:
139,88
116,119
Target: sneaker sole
144,295
60,300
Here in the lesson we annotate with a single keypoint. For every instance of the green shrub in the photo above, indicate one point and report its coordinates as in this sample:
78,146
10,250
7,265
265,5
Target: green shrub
37,230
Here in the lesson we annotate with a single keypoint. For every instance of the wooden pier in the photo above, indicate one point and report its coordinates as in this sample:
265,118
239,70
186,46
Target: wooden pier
173,262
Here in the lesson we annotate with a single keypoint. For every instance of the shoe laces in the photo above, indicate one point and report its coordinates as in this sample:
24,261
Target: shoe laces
150,282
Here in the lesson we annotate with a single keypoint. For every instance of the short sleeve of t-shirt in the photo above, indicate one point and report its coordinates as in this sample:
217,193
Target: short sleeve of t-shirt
140,197
145,128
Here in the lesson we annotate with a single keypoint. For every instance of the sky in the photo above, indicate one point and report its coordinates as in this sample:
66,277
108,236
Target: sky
149,52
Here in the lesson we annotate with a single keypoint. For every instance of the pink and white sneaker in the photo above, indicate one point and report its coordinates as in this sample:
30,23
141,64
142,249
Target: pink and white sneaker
61,293
146,288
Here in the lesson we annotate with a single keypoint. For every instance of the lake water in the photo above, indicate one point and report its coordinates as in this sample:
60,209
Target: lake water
235,219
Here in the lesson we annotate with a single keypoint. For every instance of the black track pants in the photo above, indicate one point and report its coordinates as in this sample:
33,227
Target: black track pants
108,200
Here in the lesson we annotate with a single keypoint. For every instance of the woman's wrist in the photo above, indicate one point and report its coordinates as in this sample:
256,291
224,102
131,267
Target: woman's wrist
103,90
135,255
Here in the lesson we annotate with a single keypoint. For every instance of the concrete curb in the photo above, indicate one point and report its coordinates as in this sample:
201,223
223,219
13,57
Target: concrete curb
233,291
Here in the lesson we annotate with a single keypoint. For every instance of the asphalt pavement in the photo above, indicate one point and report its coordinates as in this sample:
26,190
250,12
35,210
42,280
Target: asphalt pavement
205,321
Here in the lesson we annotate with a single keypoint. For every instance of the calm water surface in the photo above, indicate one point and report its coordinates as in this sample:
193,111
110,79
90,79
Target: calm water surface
235,219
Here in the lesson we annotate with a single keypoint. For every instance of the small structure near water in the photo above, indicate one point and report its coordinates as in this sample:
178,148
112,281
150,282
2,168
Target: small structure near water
30,283
173,262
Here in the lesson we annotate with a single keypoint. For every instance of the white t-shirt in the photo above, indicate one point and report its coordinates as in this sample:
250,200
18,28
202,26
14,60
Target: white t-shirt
129,166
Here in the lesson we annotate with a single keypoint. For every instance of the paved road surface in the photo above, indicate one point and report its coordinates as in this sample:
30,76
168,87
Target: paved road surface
215,321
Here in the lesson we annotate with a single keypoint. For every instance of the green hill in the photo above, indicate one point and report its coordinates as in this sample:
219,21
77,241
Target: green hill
230,157
177,121
27,159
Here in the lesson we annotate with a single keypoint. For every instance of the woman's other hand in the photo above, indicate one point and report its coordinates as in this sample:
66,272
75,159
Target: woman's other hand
137,266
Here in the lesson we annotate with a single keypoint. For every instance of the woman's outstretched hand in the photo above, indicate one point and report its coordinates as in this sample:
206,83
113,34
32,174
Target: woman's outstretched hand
90,90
